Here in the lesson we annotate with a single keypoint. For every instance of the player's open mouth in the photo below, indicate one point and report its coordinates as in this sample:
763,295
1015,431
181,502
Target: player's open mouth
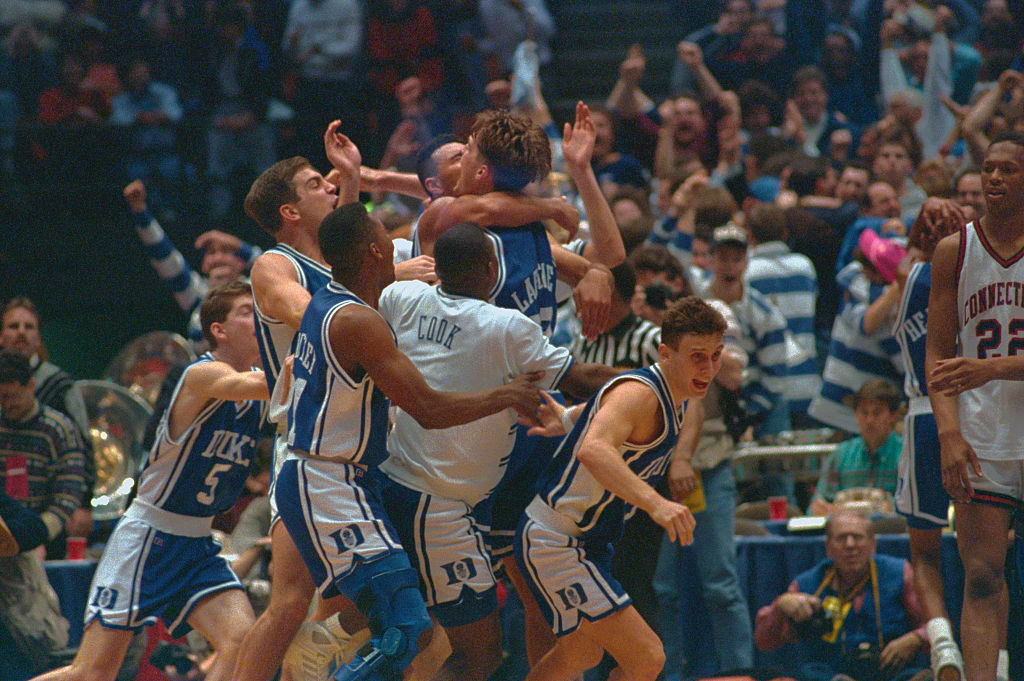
701,385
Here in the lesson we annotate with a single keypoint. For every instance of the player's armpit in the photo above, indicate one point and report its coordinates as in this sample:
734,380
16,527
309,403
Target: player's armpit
277,291
629,411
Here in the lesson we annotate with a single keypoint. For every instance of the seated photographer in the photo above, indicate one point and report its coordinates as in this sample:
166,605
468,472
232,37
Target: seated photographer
854,615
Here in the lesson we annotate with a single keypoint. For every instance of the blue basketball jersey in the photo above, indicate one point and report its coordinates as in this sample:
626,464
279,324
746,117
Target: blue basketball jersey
202,471
331,413
275,338
911,324
526,273
569,488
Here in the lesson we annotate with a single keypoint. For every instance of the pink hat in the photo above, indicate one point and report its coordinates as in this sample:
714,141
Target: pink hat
884,254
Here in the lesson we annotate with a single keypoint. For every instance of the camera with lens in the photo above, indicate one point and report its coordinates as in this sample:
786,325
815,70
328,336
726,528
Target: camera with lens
658,296
817,625
862,663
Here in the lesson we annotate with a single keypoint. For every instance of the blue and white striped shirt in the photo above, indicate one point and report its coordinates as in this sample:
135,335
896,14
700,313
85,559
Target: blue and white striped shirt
854,357
789,282
187,286
763,335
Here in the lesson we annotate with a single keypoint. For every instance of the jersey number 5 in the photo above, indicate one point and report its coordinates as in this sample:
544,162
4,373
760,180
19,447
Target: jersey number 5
207,495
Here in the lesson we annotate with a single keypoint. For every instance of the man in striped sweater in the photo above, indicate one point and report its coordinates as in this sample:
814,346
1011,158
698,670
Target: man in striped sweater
19,333
225,258
764,335
789,282
42,461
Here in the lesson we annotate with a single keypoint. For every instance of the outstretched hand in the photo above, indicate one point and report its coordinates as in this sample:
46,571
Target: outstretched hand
341,151
548,422
524,396
135,196
215,238
578,140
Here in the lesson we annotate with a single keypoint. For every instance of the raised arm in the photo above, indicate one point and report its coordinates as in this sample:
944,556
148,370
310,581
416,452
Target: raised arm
407,184
361,338
245,251
187,287
981,113
630,411
577,149
692,57
345,158
626,98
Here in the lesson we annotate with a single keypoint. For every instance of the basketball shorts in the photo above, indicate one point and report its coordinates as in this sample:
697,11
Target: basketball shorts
571,579
1001,484
920,496
148,573
448,549
334,514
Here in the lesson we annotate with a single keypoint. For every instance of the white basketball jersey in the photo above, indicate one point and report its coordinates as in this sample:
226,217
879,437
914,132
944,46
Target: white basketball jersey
461,344
990,310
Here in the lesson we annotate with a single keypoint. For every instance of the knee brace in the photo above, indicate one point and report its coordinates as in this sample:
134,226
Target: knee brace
397,619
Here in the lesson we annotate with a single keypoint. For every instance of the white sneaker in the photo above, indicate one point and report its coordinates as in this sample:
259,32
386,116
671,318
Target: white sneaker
319,648
947,663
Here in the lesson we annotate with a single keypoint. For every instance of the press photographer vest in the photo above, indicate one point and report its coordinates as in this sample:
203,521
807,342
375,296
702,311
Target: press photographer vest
859,626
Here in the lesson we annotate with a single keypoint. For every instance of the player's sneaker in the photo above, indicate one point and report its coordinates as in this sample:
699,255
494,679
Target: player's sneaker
947,663
319,648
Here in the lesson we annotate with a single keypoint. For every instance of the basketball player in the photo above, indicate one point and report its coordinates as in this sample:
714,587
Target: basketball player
438,477
976,300
920,496
161,561
605,469
288,200
505,152
346,368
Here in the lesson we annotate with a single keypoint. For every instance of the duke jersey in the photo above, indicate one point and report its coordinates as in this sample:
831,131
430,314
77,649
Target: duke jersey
274,337
461,344
332,414
569,488
526,273
990,310
910,327
202,471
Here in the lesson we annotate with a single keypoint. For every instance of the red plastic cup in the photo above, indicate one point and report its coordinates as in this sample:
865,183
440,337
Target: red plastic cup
777,508
76,548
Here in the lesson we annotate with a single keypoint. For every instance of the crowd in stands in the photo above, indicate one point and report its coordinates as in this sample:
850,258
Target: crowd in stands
781,174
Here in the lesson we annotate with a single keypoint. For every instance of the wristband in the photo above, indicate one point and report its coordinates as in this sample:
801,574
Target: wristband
567,420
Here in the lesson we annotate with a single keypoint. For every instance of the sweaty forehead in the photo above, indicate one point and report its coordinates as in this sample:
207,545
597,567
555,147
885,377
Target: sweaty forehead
447,152
1004,151
707,342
